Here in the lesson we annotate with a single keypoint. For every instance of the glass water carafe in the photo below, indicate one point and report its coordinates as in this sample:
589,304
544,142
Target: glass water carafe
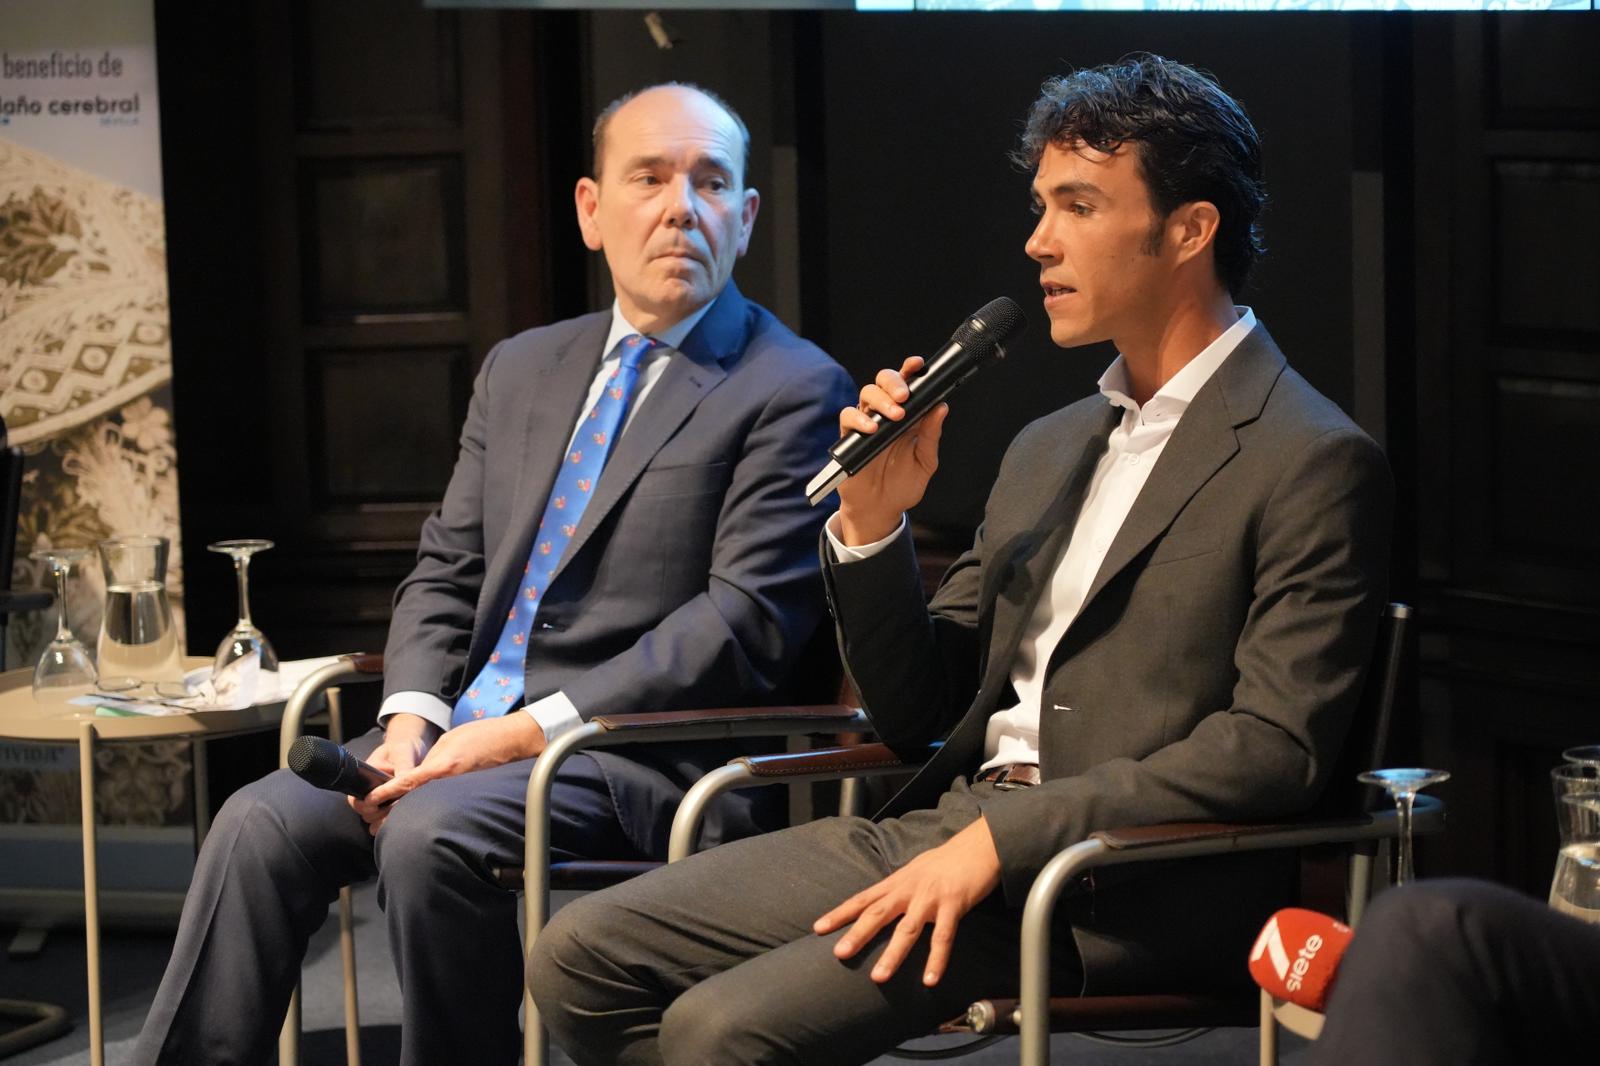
137,641
1575,888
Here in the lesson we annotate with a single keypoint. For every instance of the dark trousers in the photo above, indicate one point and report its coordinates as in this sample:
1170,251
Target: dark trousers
1464,973
275,859
712,959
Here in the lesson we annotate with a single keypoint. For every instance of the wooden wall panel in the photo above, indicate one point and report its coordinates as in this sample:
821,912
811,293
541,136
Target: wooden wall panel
383,237
386,423
1507,202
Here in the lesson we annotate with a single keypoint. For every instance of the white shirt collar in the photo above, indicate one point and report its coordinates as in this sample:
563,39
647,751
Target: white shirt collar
672,337
1173,398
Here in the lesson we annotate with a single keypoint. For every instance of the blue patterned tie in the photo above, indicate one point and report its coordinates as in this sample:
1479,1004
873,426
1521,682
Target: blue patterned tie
498,686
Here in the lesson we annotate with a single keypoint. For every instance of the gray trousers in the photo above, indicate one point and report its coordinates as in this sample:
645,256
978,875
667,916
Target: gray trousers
275,859
712,960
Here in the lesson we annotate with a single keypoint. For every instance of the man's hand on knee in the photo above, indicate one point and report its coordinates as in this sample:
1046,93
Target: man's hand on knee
467,747
938,886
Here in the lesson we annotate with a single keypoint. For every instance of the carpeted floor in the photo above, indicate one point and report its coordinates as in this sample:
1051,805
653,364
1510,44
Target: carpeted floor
133,962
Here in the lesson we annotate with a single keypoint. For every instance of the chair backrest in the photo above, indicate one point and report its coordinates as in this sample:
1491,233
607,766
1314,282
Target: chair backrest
10,514
1366,744
10,509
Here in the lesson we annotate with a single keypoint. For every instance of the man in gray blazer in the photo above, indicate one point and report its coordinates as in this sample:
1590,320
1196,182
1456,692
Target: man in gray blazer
1164,617
625,530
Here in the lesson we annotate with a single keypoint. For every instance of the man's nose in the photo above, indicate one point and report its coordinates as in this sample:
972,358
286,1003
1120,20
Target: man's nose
682,208
1039,247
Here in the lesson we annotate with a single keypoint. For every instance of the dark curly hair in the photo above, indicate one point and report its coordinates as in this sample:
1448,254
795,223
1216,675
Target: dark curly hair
1194,143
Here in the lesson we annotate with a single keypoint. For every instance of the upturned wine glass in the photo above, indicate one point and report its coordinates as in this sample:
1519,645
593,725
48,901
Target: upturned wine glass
1403,785
244,639
66,669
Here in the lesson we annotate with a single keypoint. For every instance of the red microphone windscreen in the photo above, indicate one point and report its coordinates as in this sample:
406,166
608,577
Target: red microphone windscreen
1296,957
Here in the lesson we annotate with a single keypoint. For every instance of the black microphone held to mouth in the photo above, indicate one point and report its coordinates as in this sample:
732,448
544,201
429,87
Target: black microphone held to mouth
969,348
320,762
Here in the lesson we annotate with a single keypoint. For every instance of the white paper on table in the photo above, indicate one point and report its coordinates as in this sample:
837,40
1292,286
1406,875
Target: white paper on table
242,684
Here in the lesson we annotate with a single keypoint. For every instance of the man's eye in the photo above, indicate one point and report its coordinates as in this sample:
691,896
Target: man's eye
1081,210
715,184
1035,208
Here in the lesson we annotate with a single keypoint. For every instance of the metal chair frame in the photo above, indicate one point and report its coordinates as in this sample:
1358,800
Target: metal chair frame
599,732
1031,1014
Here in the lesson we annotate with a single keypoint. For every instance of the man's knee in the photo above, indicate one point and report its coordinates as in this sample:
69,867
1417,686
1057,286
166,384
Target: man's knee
706,1025
260,817
426,836
563,970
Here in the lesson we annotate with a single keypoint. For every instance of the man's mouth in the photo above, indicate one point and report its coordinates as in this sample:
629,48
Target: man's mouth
1053,291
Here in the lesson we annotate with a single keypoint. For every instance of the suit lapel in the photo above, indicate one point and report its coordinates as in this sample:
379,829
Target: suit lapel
1201,445
1024,572
555,391
693,371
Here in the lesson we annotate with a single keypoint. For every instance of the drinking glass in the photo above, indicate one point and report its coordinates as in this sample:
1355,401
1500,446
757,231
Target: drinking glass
138,644
1403,784
65,670
245,639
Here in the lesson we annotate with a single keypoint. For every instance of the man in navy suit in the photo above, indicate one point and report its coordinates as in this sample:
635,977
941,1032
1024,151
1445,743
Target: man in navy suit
662,560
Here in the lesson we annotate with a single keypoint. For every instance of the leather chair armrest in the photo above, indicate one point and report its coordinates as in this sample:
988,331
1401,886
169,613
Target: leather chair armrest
823,763
17,601
801,719
1204,838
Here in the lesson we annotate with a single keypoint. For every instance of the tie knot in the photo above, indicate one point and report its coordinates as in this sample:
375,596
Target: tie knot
633,349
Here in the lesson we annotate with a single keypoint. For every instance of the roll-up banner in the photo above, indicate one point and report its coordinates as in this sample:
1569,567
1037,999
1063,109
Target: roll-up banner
85,371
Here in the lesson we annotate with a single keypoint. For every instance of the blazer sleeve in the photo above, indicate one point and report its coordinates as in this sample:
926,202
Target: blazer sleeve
1321,563
434,607
916,664
762,599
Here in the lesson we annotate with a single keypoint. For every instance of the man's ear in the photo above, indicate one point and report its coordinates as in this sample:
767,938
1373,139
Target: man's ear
587,199
747,218
1194,227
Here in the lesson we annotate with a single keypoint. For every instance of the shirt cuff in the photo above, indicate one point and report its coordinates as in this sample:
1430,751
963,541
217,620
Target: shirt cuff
422,704
555,714
844,553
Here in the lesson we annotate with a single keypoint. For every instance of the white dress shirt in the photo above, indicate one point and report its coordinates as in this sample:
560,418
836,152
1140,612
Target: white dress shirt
555,713
1131,453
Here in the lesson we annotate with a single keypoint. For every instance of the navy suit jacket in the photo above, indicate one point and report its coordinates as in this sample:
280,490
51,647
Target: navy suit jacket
691,580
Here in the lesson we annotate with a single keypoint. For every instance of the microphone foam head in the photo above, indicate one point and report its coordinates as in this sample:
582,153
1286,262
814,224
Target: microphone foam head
992,324
315,759
1296,957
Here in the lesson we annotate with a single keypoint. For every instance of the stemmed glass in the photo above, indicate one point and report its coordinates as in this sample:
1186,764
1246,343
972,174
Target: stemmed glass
66,669
245,639
1403,786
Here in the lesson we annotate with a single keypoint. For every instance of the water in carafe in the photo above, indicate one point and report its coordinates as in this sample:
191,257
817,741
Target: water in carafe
137,639
1576,887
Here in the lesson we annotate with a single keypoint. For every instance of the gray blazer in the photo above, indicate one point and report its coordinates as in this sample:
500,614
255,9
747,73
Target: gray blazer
690,581
1212,671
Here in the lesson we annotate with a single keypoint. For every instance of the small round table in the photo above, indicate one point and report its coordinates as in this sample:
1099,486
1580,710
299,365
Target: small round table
20,719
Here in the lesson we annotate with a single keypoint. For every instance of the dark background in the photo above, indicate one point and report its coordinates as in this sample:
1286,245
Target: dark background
363,196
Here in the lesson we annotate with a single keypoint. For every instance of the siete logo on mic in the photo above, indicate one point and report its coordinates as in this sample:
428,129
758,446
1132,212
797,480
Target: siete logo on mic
1297,954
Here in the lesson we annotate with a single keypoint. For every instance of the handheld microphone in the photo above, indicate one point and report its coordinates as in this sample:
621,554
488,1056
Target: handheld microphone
320,762
1296,957
973,342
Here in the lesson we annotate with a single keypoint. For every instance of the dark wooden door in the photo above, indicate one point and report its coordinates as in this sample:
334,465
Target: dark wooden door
379,169
1507,222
